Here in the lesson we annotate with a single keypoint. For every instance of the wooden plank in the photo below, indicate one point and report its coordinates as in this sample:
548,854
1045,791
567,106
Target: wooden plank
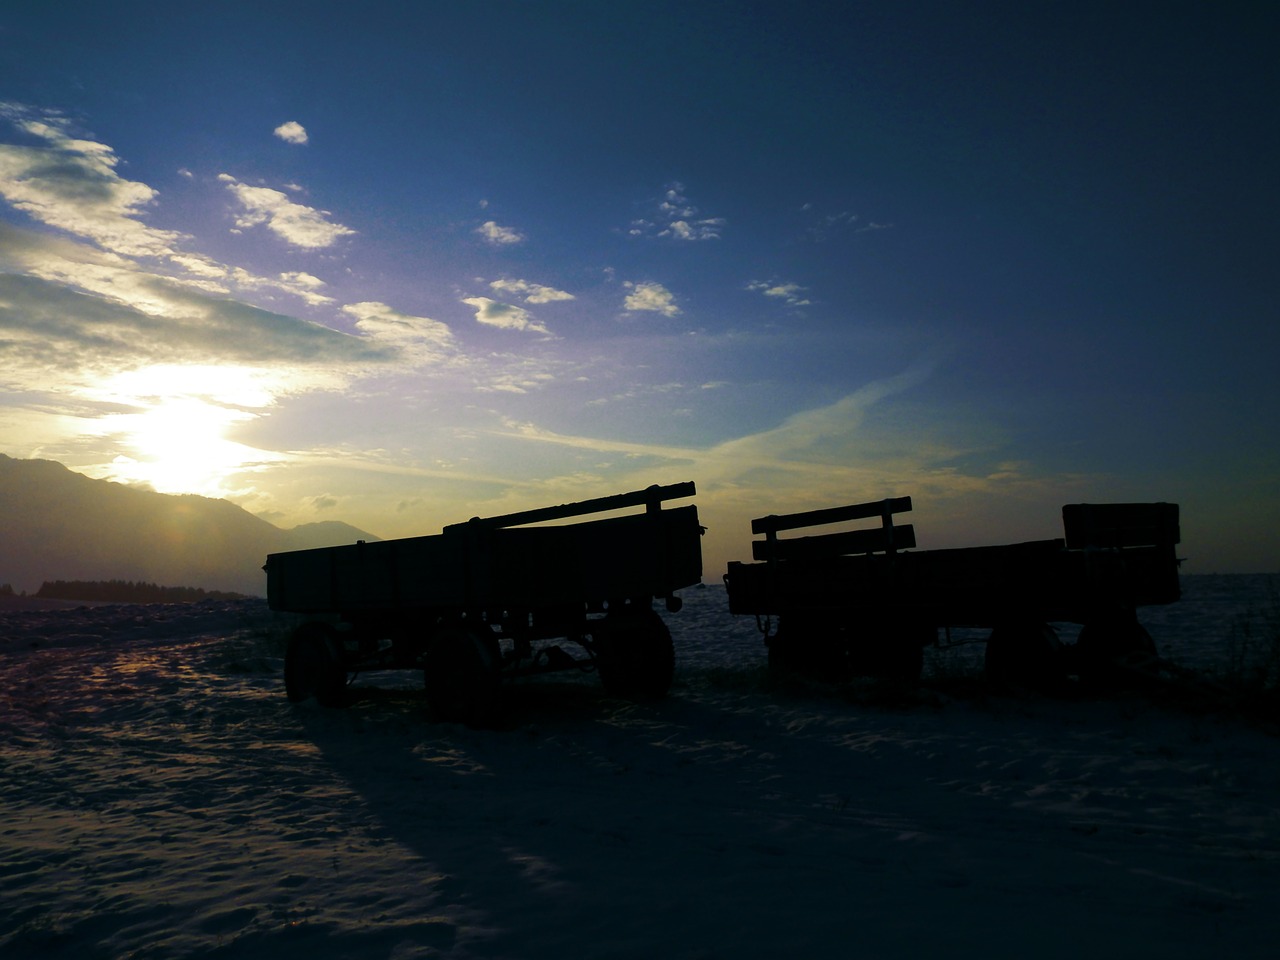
814,518
836,544
651,496
1119,525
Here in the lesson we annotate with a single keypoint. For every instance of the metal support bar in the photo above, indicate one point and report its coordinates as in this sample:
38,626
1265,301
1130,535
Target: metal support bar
651,498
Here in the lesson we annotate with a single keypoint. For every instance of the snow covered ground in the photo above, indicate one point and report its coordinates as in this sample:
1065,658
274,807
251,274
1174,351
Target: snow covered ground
161,798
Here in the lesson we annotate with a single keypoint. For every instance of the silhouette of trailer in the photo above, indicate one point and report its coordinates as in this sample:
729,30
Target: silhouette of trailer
471,605
864,602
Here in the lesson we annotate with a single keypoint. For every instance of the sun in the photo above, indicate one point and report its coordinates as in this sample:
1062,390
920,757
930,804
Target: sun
179,446
174,438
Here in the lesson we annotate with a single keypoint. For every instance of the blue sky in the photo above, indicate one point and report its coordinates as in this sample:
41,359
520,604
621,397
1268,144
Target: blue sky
403,264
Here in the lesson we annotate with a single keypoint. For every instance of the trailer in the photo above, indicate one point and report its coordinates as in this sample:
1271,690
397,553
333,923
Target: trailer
475,604
865,602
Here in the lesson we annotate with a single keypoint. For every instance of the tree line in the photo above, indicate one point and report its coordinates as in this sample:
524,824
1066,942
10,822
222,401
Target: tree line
124,591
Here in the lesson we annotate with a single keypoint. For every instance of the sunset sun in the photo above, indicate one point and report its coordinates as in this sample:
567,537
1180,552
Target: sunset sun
175,439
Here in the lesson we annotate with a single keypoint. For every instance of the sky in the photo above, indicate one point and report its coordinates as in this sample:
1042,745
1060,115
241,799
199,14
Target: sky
401,264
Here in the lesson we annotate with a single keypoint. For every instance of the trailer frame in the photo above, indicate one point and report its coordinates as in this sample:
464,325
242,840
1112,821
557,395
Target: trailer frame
472,605
864,602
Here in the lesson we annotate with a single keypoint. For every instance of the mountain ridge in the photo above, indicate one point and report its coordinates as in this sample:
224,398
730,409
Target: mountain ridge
56,524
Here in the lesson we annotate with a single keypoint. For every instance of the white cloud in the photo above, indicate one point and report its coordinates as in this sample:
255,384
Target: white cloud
291,132
678,219
306,286
532,292
498,235
54,338
420,339
296,283
653,297
504,315
295,223
77,264
790,293
72,184
200,266
517,381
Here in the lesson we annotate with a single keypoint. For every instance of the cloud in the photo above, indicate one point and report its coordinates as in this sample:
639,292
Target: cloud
72,184
532,292
295,223
53,338
497,235
420,340
652,297
291,132
824,226
789,293
678,219
504,315
306,286
516,381
821,456
95,271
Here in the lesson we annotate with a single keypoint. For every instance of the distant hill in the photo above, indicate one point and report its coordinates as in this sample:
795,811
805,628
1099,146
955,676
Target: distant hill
56,524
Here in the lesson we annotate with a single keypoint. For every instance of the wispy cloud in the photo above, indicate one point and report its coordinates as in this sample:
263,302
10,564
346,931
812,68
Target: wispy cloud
678,219
507,316
419,340
532,292
791,294
823,456
824,226
651,297
93,270
291,132
299,225
807,442
72,184
499,236
55,338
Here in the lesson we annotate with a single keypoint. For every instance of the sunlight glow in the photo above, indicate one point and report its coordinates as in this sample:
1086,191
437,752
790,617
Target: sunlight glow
233,385
179,446
176,441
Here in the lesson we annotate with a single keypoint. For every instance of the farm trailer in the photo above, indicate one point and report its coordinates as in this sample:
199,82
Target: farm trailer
864,602
470,605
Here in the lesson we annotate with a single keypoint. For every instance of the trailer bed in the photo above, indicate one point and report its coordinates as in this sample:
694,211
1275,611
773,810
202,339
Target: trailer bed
864,599
480,567
474,604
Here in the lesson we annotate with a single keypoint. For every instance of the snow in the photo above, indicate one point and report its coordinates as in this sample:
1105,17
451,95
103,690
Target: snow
161,798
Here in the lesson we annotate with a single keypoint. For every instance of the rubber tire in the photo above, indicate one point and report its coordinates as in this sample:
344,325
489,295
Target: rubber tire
312,667
635,655
461,676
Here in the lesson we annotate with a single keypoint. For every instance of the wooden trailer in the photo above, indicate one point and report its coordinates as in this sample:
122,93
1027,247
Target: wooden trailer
471,605
865,602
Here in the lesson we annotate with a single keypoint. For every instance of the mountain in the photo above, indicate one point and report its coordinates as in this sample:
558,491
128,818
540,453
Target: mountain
56,524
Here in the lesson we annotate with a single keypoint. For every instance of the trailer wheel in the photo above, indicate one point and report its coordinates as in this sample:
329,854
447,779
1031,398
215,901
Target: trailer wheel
461,676
1024,655
312,667
635,655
